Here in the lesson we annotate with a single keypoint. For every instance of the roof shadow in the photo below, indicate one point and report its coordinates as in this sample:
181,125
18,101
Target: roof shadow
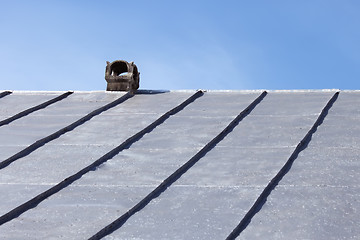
144,91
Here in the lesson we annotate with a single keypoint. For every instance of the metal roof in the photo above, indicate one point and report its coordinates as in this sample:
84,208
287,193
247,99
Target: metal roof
180,165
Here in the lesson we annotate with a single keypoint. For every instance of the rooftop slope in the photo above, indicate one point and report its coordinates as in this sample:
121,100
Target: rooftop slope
180,165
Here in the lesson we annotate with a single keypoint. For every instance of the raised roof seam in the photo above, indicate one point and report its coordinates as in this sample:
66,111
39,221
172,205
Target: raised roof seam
69,180
179,172
5,93
261,200
62,131
35,108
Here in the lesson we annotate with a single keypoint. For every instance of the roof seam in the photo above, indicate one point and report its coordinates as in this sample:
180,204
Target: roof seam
34,109
256,207
62,131
5,93
126,144
179,172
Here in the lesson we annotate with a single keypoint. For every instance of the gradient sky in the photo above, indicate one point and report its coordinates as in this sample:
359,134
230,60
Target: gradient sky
279,44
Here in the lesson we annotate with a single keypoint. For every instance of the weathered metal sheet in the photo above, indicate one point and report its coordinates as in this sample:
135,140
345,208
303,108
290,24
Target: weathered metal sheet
319,197
316,199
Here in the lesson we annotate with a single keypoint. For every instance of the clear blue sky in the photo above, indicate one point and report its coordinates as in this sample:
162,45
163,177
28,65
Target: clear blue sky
280,44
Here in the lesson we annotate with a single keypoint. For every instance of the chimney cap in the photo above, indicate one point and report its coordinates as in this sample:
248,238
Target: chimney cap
122,76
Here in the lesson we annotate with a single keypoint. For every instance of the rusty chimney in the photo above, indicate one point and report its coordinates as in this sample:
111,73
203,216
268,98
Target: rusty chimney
122,76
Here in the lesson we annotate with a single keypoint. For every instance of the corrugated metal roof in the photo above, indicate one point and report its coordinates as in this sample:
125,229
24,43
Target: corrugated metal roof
180,165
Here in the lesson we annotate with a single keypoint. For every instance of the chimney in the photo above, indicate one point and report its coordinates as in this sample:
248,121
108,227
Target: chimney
122,76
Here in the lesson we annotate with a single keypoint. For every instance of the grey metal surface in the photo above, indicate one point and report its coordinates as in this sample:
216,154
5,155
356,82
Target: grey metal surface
73,151
208,201
136,171
42,123
19,101
319,197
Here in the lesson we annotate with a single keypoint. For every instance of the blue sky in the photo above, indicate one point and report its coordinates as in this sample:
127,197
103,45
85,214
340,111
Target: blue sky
280,44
